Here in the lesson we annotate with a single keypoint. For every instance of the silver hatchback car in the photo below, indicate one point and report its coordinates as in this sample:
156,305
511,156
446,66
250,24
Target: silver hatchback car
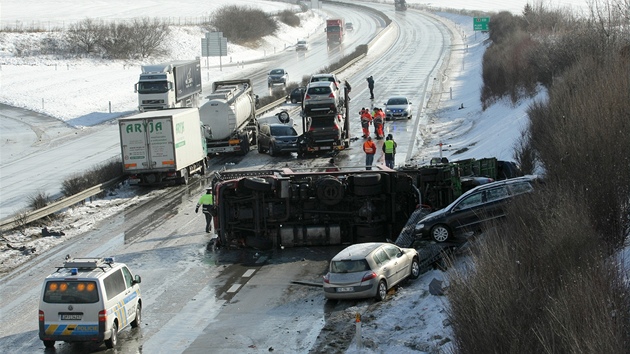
367,270
321,98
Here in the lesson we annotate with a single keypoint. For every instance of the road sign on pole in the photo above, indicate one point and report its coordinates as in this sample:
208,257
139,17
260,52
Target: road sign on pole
481,23
214,45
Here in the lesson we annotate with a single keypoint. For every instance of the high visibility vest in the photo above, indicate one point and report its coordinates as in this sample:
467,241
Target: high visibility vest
389,146
369,147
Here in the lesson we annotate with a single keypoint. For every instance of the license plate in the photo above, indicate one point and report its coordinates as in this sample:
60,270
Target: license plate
345,290
71,317
325,148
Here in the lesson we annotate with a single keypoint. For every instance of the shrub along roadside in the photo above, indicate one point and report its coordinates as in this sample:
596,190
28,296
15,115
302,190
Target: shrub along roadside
542,281
547,280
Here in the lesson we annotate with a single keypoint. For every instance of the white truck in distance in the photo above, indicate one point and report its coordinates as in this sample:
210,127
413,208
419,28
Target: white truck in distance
229,117
162,146
174,84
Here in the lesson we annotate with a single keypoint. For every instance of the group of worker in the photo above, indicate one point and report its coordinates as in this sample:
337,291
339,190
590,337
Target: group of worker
389,150
377,118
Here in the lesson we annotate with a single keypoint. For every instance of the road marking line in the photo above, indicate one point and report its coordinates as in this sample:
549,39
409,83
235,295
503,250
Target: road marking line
249,273
234,288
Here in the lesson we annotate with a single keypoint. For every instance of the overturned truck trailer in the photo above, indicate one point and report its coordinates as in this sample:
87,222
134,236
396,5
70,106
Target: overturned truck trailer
289,208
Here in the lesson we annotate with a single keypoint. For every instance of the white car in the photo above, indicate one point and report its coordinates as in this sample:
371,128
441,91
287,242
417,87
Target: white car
398,107
367,270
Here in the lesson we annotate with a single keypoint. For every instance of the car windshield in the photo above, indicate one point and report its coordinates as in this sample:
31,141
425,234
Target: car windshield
283,131
276,72
395,101
301,42
349,266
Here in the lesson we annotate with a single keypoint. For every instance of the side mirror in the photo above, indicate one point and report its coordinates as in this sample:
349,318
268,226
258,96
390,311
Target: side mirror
137,280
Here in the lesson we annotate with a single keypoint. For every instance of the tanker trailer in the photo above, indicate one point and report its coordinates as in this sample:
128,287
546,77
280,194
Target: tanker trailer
229,117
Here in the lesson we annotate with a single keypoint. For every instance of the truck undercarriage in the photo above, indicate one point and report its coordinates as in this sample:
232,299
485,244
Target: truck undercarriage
284,208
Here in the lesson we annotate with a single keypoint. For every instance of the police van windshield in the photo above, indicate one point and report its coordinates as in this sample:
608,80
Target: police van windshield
71,292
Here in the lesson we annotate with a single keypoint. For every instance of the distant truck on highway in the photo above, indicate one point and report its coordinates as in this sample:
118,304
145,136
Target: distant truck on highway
162,146
229,117
334,30
173,84
400,5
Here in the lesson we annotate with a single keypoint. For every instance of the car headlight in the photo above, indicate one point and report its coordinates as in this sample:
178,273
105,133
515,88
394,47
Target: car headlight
387,110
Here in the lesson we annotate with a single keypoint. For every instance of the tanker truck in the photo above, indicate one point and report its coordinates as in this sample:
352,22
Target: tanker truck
173,84
229,117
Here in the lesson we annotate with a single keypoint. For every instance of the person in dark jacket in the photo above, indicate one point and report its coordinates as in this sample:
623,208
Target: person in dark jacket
207,203
370,81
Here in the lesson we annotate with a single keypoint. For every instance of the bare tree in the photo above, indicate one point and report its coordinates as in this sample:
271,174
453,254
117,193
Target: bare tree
86,35
148,36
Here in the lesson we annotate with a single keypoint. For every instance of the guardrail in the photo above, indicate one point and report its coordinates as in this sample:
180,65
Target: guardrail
30,216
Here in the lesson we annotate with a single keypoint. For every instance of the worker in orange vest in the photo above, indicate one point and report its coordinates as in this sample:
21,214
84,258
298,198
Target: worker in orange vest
370,149
366,120
379,120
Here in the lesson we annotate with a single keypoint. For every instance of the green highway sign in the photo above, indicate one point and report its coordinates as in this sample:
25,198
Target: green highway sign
481,23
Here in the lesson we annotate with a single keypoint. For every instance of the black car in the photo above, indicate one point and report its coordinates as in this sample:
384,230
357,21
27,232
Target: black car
324,132
277,138
297,95
472,209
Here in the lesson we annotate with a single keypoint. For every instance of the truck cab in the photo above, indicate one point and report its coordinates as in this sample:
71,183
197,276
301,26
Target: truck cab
334,31
175,84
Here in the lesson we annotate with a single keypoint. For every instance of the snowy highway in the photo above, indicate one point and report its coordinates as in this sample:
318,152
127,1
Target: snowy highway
232,301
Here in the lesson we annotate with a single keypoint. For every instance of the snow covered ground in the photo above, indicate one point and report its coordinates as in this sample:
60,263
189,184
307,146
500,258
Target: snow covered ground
413,320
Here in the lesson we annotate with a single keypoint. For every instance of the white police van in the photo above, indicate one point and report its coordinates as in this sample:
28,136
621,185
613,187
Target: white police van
89,299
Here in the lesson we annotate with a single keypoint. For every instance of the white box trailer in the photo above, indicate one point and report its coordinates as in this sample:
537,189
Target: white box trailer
162,146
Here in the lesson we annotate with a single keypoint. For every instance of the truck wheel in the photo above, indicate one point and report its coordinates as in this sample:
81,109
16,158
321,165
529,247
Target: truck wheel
330,190
260,148
184,176
49,344
272,150
244,145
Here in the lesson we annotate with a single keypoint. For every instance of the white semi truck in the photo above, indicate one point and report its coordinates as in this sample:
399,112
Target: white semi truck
229,117
174,84
162,146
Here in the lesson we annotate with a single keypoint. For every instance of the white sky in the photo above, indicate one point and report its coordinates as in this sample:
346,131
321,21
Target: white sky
46,84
